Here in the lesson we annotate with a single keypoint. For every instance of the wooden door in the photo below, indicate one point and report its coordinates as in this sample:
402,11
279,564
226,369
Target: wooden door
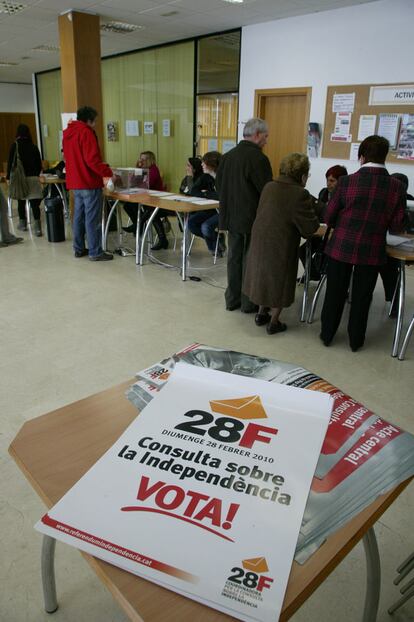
287,114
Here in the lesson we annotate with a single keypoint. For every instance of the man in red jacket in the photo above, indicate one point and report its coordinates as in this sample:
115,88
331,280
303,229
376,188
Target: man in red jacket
84,173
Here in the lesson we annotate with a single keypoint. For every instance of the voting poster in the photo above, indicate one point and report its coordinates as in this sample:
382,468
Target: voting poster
205,491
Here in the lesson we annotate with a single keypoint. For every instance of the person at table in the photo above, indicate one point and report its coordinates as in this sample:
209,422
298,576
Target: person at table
286,212
193,171
85,171
241,177
147,160
332,175
364,206
32,163
204,224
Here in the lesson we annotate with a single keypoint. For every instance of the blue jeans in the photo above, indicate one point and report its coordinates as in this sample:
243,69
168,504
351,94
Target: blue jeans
205,224
88,219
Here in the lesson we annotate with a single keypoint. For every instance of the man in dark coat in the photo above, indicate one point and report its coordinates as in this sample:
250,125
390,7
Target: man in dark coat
241,177
364,206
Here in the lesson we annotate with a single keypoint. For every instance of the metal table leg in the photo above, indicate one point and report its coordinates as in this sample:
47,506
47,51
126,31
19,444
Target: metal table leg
400,316
373,588
63,196
184,249
48,574
145,233
315,298
307,279
401,355
105,226
138,237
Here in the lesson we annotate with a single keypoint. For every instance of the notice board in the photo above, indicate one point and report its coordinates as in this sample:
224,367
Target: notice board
354,111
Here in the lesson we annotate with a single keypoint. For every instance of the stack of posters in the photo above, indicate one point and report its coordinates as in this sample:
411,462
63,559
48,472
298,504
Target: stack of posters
200,494
361,458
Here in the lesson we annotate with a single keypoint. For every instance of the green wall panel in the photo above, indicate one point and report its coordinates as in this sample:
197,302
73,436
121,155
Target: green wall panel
49,93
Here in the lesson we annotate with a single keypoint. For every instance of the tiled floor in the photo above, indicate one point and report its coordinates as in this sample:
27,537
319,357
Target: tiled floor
70,327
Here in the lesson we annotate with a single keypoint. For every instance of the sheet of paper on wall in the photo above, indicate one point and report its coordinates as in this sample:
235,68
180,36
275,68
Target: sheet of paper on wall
388,127
212,144
406,138
132,127
343,102
342,127
67,117
201,494
366,125
353,154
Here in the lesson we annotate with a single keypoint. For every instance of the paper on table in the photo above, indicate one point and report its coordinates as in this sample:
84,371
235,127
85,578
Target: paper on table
205,202
159,193
398,240
176,470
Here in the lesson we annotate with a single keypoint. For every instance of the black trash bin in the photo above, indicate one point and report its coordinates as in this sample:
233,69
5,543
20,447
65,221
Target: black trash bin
55,220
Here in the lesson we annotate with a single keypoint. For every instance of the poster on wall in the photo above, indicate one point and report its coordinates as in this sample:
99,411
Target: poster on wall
314,139
112,131
343,102
353,153
132,127
342,127
366,127
66,118
200,494
406,138
148,127
388,127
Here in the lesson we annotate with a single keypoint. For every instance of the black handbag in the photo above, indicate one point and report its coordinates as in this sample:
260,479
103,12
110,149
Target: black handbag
19,186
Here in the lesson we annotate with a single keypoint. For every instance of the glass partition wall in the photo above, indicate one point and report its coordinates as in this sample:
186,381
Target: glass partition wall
176,100
218,61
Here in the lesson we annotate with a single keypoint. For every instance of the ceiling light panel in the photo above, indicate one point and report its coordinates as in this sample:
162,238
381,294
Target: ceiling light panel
11,8
121,28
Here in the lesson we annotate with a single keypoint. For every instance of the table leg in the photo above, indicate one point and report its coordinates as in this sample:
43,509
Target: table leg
105,226
145,233
407,337
306,284
315,298
138,237
373,576
184,249
118,225
400,316
63,196
48,574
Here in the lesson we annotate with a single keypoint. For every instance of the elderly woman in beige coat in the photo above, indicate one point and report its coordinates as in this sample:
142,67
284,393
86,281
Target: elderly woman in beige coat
286,212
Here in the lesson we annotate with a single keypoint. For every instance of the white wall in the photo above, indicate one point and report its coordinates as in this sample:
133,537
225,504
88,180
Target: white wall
370,43
16,97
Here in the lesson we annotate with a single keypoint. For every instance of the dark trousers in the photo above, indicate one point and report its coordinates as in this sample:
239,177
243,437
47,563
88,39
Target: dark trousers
389,275
34,204
337,285
238,244
132,211
204,224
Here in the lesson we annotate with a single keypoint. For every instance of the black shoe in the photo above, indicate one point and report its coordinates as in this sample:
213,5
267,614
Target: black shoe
253,309
83,253
261,319
102,257
130,229
278,327
162,243
326,342
232,307
12,241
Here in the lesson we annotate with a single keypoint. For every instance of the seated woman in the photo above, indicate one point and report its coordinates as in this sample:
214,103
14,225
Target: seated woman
332,175
147,160
286,212
194,170
204,224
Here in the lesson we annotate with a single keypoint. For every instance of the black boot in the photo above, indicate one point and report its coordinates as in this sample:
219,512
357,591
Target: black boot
162,238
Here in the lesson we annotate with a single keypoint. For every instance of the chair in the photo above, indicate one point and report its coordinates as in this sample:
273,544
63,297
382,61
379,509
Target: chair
407,590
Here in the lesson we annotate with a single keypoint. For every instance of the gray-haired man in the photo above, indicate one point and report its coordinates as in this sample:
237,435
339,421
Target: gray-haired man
242,174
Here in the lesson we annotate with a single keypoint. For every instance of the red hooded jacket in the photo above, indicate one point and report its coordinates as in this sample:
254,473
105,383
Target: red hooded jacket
84,166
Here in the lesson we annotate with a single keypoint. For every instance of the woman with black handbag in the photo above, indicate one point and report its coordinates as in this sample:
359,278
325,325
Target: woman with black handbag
30,158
